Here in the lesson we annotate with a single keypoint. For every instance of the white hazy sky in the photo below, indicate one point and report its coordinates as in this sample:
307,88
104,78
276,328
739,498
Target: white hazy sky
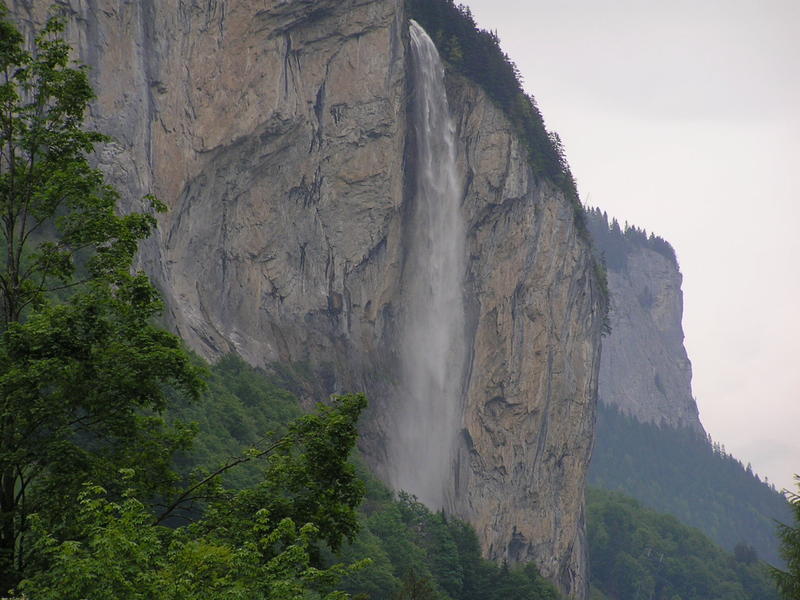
683,117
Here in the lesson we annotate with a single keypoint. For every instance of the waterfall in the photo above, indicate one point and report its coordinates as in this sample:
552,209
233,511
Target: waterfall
432,344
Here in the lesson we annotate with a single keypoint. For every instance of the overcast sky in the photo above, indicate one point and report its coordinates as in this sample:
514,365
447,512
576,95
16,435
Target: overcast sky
683,117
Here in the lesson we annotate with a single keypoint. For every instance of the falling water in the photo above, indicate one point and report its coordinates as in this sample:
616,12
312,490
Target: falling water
432,343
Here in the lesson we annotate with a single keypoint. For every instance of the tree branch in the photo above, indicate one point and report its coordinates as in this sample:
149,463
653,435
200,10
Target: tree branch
226,467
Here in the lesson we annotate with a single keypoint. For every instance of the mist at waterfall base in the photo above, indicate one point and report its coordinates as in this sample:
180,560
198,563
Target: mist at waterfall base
432,345
682,118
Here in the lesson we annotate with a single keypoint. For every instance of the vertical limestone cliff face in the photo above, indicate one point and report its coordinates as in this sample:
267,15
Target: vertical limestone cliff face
277,132
535,317
645,371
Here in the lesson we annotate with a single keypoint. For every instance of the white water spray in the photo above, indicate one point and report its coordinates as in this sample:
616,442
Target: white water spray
432,343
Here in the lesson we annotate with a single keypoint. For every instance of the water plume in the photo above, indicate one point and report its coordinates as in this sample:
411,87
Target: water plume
432,343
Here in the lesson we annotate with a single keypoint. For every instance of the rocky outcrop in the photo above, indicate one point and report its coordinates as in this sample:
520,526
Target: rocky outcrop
644,371
276,131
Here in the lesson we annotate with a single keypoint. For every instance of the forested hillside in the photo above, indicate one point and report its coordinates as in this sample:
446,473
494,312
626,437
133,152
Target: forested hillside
637,553
683,474
668,464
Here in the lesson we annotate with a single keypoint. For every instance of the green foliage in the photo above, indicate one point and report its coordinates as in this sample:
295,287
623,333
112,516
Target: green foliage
638,554
428,555
82,369
601,276
413,553
53,205
307,477
241,408
788,581
259,542
686,475
476,54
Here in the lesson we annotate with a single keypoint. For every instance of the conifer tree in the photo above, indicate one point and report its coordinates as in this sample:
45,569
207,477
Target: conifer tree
789,580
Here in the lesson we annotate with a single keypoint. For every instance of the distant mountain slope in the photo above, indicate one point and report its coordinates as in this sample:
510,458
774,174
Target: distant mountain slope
636,553
649,441
684,474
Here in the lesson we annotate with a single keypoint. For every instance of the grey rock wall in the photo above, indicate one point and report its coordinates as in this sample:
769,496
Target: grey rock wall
536,316
644,371
275,133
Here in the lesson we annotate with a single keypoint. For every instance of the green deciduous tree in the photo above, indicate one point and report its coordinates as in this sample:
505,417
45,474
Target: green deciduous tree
789,580
262,542
82,369
87,485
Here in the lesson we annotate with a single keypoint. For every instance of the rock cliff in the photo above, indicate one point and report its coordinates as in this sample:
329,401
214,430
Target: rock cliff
277,132
534,305
644,370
